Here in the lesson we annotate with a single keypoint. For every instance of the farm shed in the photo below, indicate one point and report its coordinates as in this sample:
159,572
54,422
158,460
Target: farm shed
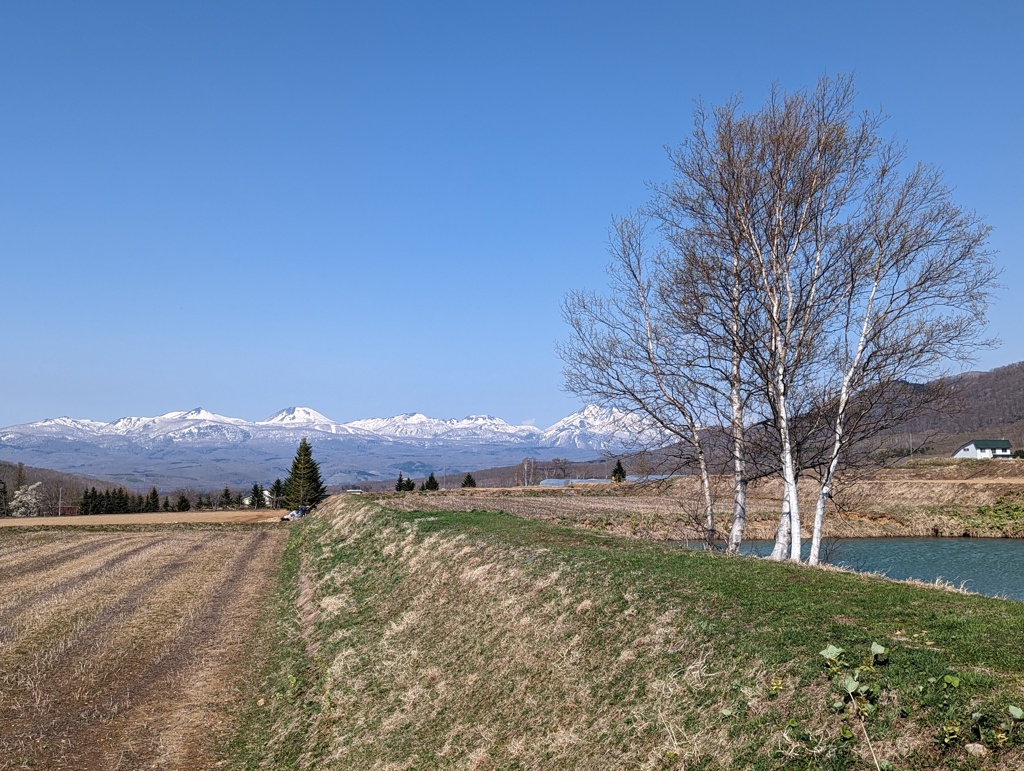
984,449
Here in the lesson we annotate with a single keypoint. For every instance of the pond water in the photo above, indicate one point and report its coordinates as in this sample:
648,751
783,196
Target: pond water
992,566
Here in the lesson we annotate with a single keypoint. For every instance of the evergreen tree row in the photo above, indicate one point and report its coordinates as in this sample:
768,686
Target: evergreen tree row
118,501
303,487
406,484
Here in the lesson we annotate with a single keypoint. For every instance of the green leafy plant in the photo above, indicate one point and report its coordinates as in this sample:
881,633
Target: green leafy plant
1006,514
834,660
879,654
860,689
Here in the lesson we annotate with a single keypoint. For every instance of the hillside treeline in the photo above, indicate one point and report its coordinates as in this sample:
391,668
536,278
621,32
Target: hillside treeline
33,492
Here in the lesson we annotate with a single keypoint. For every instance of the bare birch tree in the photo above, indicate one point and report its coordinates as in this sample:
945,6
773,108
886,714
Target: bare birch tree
803,278
629,351
916,292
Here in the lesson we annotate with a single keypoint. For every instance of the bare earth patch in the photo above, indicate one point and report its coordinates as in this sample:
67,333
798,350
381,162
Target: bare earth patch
155,518
123,650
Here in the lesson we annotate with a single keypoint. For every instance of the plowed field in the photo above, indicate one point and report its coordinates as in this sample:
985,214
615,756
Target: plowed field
123,650
155,518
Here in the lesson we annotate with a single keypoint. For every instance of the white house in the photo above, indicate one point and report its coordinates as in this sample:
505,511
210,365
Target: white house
984,449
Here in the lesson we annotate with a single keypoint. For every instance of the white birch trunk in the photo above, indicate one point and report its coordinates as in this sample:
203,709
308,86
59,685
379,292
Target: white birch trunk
739,497
782,531
819,518
825,487
739,466
789,481
709,503
788,469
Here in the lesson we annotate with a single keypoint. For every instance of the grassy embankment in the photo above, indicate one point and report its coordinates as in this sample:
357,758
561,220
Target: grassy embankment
421,640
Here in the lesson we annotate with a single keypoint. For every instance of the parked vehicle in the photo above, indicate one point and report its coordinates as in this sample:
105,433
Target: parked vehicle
295,514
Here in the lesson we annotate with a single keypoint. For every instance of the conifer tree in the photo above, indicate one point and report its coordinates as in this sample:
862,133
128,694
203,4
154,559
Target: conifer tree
183,504
276,493
468,481
618,473
226,498
3,498
400,484
304,485
431,483
256,499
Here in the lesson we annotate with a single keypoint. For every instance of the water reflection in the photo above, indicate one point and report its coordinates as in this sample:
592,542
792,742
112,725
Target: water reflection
984,565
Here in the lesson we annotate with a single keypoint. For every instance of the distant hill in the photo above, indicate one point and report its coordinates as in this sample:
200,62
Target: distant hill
60,490
990,406
9,473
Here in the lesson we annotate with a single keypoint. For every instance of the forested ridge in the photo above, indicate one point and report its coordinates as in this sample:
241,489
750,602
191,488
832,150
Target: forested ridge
990,405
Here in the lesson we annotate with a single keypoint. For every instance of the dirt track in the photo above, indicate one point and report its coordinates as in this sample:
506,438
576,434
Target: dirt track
122,650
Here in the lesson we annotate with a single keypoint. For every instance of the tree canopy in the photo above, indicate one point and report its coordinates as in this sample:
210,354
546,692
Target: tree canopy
304,485
797,283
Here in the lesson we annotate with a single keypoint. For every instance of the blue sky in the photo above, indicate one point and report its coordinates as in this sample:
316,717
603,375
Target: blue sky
376,208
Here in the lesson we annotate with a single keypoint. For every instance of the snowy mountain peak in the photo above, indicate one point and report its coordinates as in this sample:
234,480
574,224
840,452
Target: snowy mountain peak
482,419
606,428
416,425
199,414
194,447
298,416
67,422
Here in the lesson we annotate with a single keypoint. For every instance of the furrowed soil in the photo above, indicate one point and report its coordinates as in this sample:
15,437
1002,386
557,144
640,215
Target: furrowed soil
125,650
153,518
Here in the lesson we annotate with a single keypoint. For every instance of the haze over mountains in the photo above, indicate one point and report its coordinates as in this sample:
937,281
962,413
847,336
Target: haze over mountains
201,449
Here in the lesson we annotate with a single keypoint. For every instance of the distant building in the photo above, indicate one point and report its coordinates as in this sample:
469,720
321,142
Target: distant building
601,481
984,449
571,482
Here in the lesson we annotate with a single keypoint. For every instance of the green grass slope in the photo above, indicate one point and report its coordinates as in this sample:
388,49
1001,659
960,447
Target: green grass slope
477,640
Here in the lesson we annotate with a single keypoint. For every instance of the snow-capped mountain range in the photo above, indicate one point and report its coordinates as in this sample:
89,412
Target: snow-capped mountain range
200,449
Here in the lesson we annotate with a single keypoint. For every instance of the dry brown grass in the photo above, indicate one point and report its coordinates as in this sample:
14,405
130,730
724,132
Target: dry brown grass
120,650
927,498
442,641
520,641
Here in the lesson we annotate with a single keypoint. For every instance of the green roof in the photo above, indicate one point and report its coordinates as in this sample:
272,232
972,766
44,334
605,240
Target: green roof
990,444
